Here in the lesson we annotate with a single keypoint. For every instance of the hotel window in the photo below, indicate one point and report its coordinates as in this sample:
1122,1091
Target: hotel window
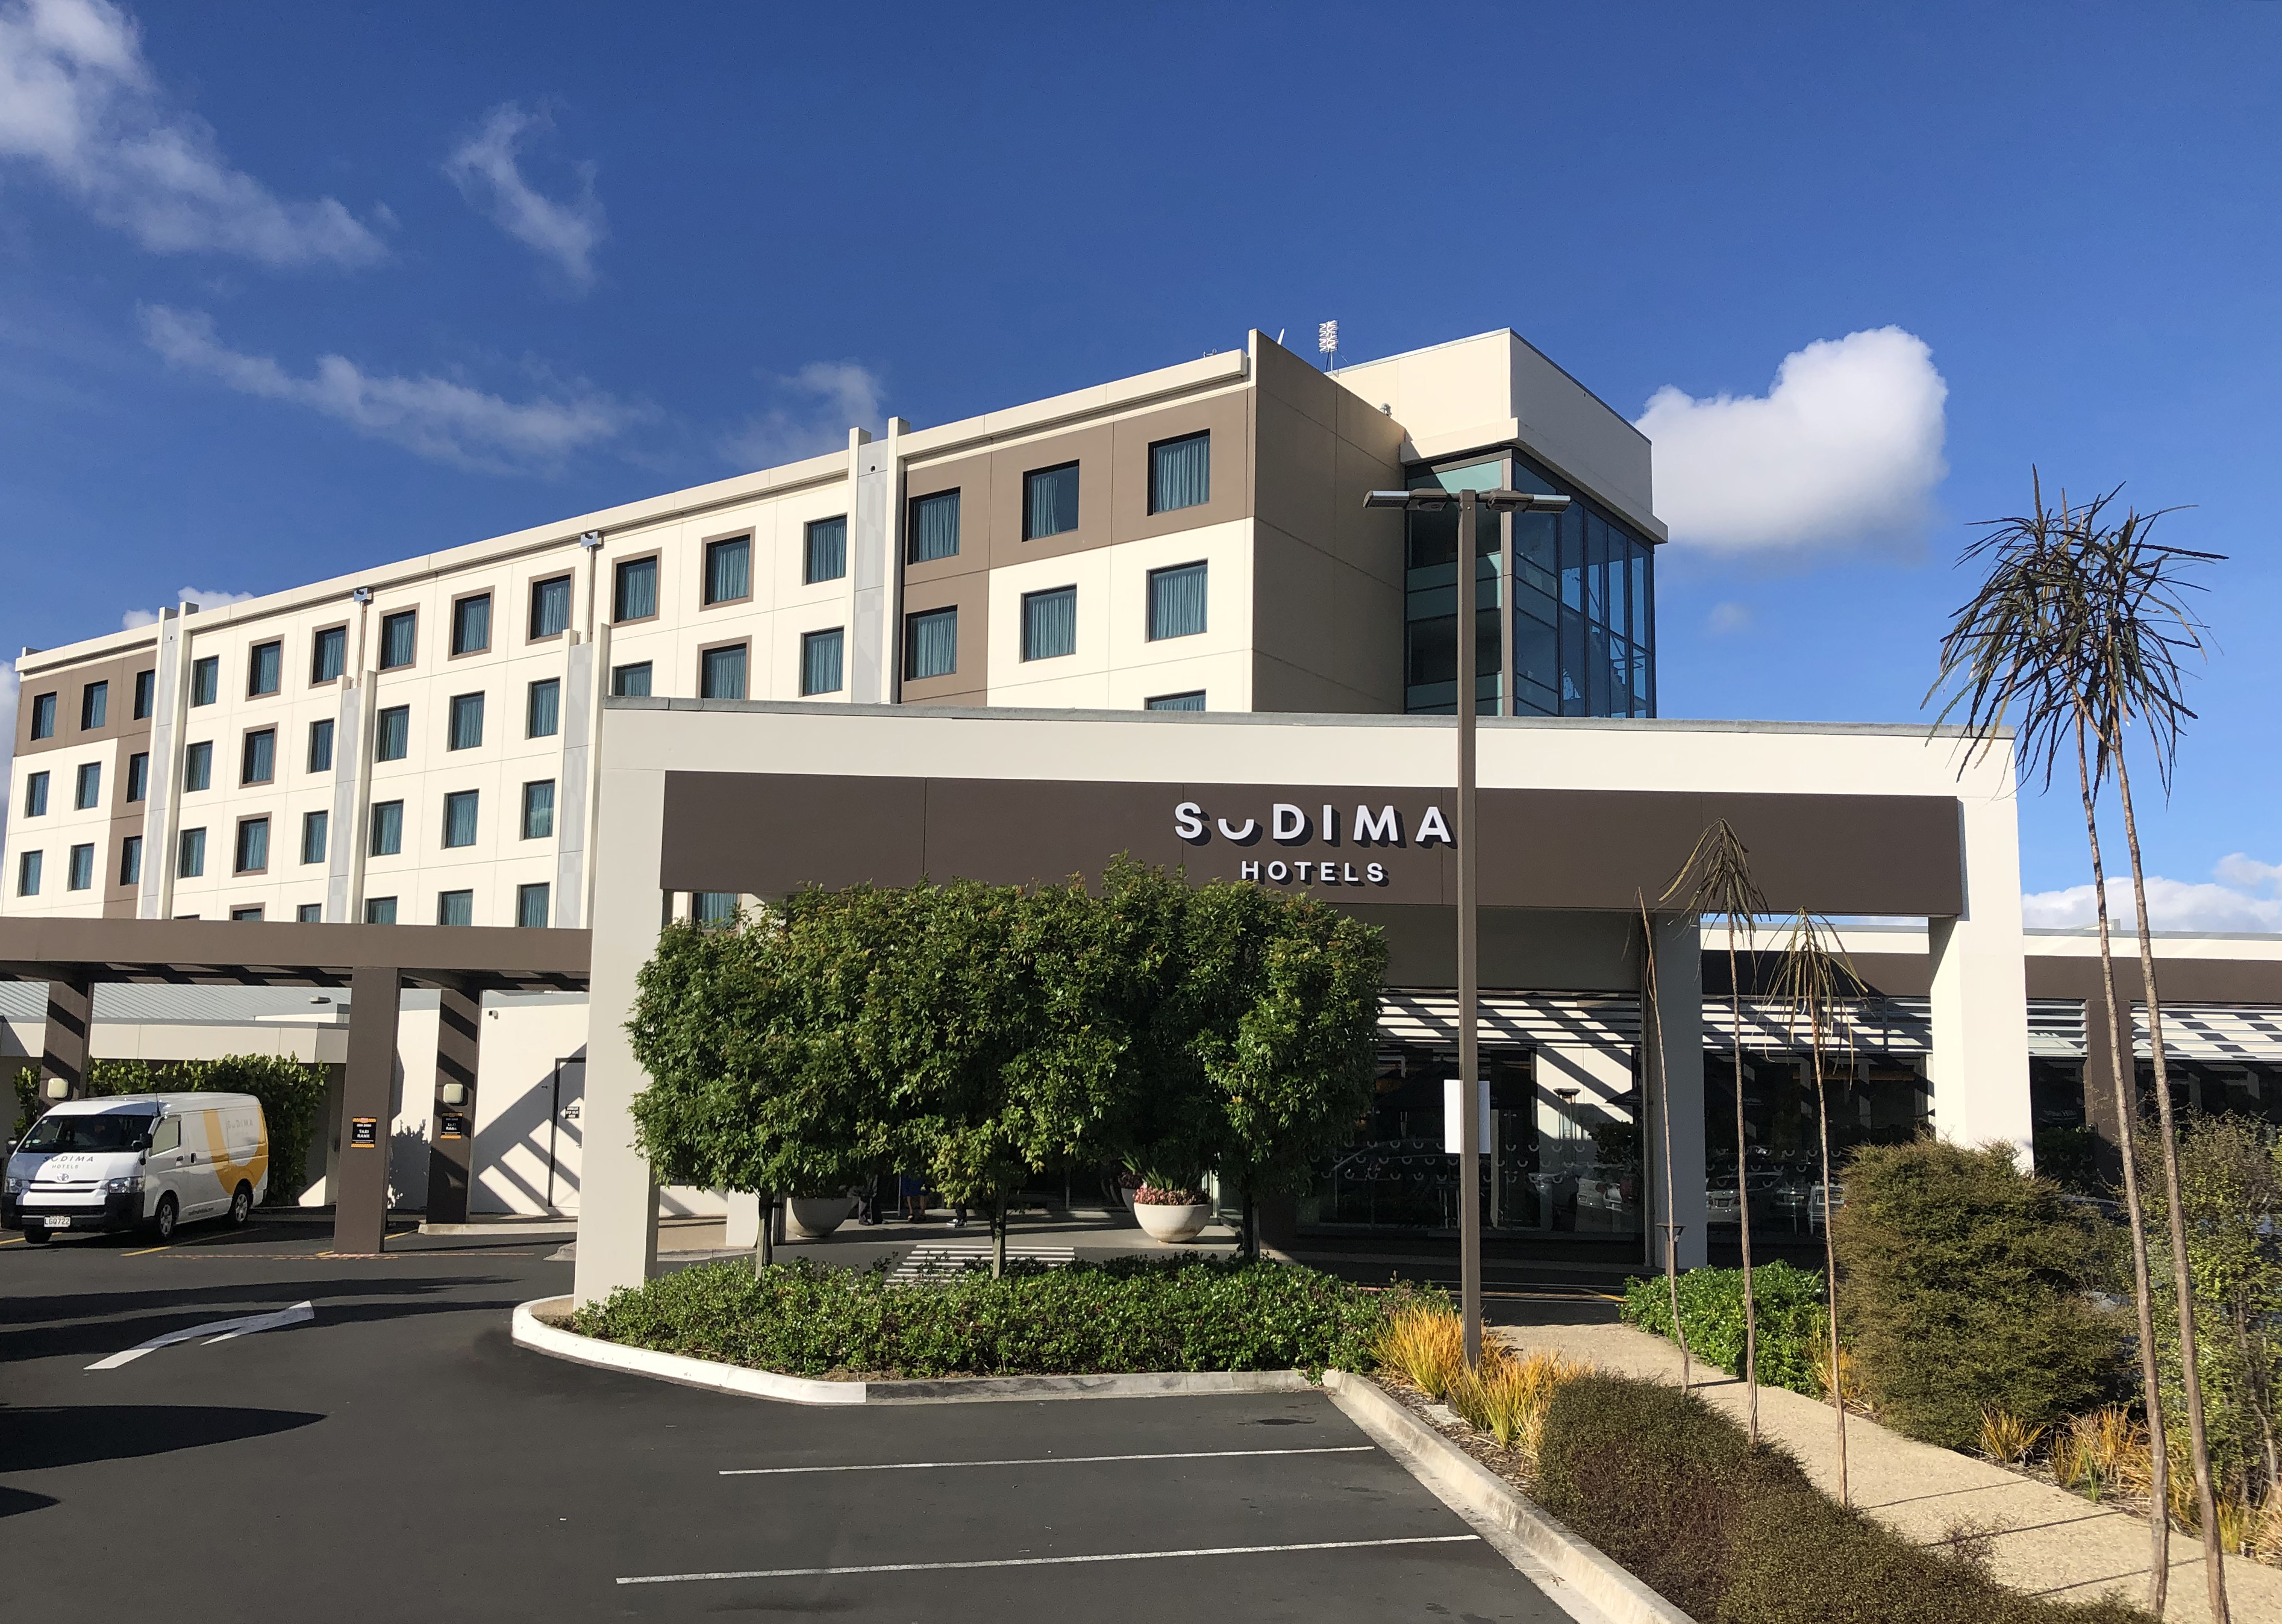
471,624
265,669
246,916
935,526
1180,473
531,906
206,679
1177,602
713,908
630,681
460,809
258,761
43,716
729,571
87,785
79,872
28,874
94,706
636,596
315,828
543,709
1177,701
387,829
320,746
146,694
130,860
328,653
820,662
190,854
399,639
455,907
35,795
930,644
721,672
391,734
253,856
539,809
466,722
138,776
1049,501
309,913
197,766
825,555
1050,624
550,607
380,910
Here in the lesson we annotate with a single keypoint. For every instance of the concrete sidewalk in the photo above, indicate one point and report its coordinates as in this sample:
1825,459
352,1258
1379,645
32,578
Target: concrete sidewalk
2053,1543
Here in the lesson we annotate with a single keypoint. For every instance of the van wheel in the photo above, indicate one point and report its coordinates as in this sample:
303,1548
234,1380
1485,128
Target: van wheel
35,1237
162,1221
241,1206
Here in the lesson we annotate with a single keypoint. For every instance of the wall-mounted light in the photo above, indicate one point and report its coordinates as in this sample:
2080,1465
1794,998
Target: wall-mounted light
591,540
361,594
56,1089
455,1094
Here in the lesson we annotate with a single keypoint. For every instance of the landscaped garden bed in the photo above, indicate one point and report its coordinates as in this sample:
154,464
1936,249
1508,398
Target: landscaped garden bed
1125,1315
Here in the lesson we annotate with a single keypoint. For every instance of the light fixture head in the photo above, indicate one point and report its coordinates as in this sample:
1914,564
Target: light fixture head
591,540
361,594
1522,502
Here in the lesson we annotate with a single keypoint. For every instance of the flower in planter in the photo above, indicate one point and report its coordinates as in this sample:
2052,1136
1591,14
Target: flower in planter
1167,1195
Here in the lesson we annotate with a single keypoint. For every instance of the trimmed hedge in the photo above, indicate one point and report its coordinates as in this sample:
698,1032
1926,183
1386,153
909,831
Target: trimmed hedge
1142,1314
1670,1487
1793,1327
292,1095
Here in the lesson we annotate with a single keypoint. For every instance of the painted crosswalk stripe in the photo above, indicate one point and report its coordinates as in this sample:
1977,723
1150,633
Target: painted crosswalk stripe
929,1259
213,1331
1112,1556
1045,1460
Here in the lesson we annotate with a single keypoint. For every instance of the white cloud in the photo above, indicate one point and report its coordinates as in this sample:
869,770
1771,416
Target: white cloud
832,397
1842,452
485,170
1726,619
433,417
2243,894
201,596
78,99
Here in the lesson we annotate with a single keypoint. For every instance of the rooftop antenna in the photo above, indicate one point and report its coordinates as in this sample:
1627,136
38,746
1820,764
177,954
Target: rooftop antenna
1327,344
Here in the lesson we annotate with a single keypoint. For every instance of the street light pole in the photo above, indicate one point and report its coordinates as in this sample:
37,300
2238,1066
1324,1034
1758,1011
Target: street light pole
1471,503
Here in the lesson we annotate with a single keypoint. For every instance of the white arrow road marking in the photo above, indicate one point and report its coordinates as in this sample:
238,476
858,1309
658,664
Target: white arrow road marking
1114,1556
1044,1460
215,1331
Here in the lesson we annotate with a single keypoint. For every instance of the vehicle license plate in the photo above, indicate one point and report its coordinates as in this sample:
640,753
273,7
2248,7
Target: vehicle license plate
58,1221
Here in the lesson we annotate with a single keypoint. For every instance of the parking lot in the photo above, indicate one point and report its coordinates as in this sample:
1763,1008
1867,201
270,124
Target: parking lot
390,1451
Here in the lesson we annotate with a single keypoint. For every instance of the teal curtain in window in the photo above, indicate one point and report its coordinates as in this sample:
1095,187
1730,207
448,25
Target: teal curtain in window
630,681
190,855
197,766
723,676
471,624
931,644
314,827
1050,624
28,874
380,910
80,876
935,526
460,818
35,795
261,760
1177,602
43,711
130,860
714,907
391,734
728,570
637,594
1049,502
550,606
1178,701
467,721
388,828
252,845
826,551
539,809
268,661
530,906
95,699
87,785
1180,473
398,640
820,662
543,715
455,907
328,655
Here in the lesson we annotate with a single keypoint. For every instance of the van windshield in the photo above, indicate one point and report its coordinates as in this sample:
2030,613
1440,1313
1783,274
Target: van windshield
112,1131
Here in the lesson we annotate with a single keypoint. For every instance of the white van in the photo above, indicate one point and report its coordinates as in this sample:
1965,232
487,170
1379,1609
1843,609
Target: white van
137,1162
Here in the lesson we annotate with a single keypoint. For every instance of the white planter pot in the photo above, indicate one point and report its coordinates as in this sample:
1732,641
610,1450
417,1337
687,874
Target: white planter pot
1127,1194
1173,1224
812,1217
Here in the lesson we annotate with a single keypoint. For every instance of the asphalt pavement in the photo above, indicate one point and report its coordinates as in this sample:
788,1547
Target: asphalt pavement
390,1453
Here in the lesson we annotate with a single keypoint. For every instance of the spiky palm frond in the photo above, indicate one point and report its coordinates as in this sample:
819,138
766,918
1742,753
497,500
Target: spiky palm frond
1717,876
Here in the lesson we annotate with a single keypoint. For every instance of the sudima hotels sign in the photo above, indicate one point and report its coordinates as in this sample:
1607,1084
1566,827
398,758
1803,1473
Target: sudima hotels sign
1317,831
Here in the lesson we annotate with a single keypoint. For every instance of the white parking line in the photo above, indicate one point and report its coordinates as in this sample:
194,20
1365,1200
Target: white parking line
1115,1556
1043,1460
219,1331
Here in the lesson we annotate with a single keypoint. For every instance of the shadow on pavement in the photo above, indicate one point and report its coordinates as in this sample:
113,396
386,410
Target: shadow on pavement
46,1327
34,1439
15,1500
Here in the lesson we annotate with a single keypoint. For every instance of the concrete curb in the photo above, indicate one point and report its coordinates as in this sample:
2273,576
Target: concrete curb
1531,1539
530,1331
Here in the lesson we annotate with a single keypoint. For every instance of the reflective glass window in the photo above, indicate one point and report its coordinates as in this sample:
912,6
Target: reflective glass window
1049,501
1180,473
460,808
1050,624
321,745
531,906
387,829
399,639
935,526
190,854
466,722
930,644
455,907
539,809
138,776
391,734
252,846
265,669
630,681
197,766
79,873
206,679
130,860
542,711
43,716
94,705
729,570
315,828
146,691
258,757
35,795
87,785
471,624
550,607
820,662
380,910
825,555
328,653
1177,602
636,597
721,674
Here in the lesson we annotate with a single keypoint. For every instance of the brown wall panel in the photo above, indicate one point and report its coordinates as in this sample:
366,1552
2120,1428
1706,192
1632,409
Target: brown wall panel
67,684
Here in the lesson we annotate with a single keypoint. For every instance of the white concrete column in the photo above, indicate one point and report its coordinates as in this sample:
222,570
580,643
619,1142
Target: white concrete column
1680,1014
743,1222
1979,1065
618,1195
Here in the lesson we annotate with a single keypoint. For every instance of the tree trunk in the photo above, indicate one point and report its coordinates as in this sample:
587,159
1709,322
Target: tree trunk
764,1246
2183,1277
2127,1117
1743,1199
1249,1242
1662,1081
998,1234
1829,1258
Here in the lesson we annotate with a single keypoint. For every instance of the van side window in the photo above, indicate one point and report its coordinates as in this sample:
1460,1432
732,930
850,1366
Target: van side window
167,1134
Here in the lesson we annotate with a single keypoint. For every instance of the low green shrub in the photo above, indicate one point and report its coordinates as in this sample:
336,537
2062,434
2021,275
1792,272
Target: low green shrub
1142,1314
292,1095
1670,1487
1793,1327
1964,1286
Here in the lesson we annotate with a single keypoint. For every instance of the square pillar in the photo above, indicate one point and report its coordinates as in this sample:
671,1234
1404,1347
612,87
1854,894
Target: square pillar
1679,1090
359,1191
64,1039
459,1043
1979,1064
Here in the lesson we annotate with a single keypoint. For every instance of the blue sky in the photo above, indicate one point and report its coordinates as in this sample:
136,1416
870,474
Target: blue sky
287,290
